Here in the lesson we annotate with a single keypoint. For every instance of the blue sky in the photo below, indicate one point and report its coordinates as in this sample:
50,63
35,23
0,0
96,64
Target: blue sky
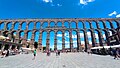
58,8
14,9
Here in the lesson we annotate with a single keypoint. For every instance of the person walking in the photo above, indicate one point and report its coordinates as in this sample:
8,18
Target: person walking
34,53
7,54
59,53
56,52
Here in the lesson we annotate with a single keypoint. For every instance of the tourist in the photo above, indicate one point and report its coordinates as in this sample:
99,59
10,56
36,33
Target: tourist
66,51
59,53
34,53
89,51
116,53
7,54
48,53
56,52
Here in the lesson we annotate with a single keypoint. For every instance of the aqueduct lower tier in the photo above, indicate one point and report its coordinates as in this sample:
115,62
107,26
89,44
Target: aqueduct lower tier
8,31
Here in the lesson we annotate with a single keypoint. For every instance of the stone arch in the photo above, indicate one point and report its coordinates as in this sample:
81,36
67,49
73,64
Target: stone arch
74,38
30,25
80,24
82,38
16,25
72,24
52,36
59,24
87,24
115,24
59,39
101,25
44,38
52,24
36,35
29,35
108,24
9,25
13,35
38,25
2,25
94,24
90,37
44,24
98,37
66,24
104,33
23,24
67,39
21,35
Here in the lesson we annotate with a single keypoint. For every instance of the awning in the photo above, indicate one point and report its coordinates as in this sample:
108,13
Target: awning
29,49
115,46
2,37
106,47
97,47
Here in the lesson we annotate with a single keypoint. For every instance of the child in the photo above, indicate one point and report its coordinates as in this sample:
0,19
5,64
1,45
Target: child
34,53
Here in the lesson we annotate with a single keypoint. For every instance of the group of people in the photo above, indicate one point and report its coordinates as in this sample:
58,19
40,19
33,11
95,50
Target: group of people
48,53
116,53
57,53
5,53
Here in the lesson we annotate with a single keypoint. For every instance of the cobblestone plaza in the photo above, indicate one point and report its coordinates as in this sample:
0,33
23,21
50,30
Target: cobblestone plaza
65,60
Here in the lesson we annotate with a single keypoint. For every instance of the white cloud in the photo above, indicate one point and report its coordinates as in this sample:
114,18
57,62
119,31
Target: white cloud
104,36
74,36
82,35
113,13
85,2
118,15
90,42
59,35
96,35
47,1
74,41
52,46
59,41
82,42
66,42
51,3
59,5
89,34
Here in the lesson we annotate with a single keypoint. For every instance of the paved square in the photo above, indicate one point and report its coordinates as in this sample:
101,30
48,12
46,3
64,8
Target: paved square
65,60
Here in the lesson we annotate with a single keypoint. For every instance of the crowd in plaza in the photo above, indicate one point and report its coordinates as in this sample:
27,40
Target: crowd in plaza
6,53
115,52
110,51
